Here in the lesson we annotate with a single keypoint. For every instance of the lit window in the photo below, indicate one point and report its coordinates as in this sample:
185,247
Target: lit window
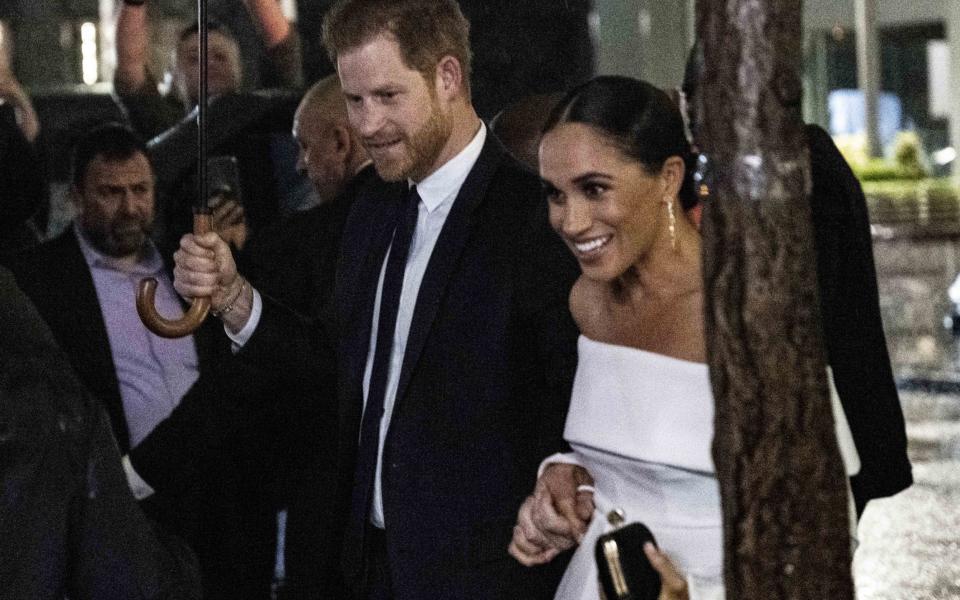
88,53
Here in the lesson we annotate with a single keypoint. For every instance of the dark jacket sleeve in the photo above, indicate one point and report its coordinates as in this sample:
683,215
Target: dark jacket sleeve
286,63
148,112
852,325
231,395
22,187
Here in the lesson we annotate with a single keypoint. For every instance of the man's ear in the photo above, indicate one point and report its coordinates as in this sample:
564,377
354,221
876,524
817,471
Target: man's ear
449,78
342,143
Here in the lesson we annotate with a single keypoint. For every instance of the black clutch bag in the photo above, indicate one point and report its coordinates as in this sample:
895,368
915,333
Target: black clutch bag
625,572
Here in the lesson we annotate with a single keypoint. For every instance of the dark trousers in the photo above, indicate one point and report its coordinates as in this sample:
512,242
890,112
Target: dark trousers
376,566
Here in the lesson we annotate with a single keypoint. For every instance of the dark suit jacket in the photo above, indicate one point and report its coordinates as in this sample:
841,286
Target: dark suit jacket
483,389
216,507
853,331
68,522
294,261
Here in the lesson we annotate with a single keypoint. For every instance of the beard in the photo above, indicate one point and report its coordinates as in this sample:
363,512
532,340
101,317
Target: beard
123,237
420,150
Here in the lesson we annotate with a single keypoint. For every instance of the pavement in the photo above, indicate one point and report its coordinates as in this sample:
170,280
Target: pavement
910,543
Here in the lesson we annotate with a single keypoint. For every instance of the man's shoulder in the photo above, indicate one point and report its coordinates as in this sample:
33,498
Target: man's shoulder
52,254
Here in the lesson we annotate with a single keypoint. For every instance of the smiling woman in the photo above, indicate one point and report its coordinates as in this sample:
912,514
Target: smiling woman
616,167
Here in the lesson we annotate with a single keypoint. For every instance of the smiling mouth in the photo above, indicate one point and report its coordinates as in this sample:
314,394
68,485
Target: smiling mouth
591,247
377,146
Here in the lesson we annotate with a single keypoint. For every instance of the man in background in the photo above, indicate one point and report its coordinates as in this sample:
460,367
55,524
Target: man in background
84,285
294,261
150,112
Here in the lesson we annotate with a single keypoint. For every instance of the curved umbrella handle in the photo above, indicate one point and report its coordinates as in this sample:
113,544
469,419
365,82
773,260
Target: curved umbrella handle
194,316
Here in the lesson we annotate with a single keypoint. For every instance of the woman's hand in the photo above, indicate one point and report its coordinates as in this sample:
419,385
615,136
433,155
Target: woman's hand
555,517
673,585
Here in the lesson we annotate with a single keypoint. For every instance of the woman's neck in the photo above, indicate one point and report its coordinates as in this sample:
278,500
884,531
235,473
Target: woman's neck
665,271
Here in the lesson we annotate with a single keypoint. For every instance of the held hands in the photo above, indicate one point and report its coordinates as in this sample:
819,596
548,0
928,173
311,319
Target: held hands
555,517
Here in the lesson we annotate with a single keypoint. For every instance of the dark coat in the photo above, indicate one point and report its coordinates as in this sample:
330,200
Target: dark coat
483,390
216,504
68,522
294,261
853,330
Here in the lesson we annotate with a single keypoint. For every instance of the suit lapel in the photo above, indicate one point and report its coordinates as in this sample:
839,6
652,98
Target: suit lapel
83,316
453,237
359,283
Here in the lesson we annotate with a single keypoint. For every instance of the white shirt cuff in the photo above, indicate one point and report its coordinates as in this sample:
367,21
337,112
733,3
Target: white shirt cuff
565,458
140,488
243,336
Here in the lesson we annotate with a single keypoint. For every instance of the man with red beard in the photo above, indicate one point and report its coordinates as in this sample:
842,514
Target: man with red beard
453,344
84,284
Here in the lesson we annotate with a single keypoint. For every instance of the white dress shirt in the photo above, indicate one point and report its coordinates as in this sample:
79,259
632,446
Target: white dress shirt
437,194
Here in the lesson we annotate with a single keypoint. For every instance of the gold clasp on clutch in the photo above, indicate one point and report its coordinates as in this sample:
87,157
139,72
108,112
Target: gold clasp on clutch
612,553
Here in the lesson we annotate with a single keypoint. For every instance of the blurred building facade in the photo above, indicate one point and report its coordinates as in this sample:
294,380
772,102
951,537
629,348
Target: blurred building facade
58,43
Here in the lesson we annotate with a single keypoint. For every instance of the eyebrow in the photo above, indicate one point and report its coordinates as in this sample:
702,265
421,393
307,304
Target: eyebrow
591,175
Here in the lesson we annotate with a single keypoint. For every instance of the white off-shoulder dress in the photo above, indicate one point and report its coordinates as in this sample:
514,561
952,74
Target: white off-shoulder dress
642,424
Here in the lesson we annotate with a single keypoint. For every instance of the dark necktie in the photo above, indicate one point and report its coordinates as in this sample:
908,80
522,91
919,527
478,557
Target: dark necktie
386,325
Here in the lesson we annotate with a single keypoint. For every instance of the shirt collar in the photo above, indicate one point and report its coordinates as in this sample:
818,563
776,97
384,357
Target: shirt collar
150,262
443,184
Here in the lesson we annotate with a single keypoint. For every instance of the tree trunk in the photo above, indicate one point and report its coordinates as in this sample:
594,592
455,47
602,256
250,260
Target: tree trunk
782,482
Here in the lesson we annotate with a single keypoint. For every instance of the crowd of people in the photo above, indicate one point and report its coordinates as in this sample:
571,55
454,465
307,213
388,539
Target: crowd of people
448,372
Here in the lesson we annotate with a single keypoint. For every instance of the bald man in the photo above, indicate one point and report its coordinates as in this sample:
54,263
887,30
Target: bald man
330,153
295,261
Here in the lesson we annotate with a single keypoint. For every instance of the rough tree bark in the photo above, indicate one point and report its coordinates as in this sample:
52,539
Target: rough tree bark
781,478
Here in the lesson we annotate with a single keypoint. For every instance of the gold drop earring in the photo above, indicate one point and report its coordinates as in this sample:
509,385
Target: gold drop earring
671,222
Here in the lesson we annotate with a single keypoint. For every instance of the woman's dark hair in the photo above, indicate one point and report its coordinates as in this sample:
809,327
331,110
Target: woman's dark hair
637,117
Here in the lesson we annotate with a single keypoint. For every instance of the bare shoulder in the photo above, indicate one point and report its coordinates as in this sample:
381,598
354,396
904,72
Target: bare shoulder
588,302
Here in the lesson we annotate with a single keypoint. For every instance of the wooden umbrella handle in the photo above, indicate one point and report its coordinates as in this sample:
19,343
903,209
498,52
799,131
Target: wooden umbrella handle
194,316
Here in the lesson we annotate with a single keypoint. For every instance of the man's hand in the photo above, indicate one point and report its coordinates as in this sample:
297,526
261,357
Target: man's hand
229,221
273,25
13,93
555,517
205,267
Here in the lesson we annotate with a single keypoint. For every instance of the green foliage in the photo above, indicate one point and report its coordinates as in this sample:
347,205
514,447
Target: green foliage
908,155
906,162
876,169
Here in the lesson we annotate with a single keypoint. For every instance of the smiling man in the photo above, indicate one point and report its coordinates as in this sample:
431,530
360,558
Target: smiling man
450,330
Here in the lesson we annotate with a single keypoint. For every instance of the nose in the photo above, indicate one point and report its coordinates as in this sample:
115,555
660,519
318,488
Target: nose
366,119
128,203
302,161
576,218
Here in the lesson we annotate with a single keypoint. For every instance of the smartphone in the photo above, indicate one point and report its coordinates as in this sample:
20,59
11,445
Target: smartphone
625,571
223,177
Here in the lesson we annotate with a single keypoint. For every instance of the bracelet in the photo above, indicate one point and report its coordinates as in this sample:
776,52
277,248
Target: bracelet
226,309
